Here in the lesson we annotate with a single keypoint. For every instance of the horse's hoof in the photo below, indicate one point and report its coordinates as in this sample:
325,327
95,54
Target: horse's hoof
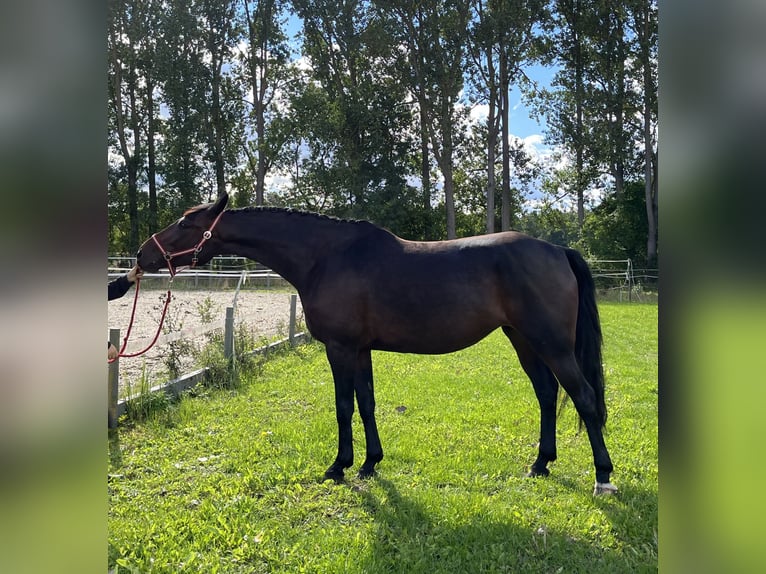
335,475
365,474
604,488
535,473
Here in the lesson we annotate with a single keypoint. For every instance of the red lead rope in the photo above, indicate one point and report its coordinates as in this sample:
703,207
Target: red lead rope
122,352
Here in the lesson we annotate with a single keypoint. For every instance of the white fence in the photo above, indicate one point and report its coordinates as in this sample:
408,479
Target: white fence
219,270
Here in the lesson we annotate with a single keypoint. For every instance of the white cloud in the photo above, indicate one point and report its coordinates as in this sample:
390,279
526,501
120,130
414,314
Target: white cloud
479,113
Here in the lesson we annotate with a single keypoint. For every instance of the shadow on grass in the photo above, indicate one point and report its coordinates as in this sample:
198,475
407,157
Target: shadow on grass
633,514
413,538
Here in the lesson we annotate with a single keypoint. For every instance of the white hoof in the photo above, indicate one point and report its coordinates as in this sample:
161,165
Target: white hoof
604,488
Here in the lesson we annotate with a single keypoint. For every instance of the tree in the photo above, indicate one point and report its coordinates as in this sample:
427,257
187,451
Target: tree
517,43
434,34
551,223
482,50
609,97
357,118
182,53
617,227
266,64
644,24
127,31
216,19
568,47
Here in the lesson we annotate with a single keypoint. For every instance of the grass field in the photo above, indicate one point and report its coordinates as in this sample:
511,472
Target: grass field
231,481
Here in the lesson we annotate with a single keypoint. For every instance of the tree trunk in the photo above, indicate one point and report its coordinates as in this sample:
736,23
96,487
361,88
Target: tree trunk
618,170
259,85
505,207
449,200
579,129
443,156
425,167
152,218
650,173
135,126
131,161
491,143
217,124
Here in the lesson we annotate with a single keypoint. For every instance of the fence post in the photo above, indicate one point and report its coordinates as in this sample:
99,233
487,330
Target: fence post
228,334
291,333
114,378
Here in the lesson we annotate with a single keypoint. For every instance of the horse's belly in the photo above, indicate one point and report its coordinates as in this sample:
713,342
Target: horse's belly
431,341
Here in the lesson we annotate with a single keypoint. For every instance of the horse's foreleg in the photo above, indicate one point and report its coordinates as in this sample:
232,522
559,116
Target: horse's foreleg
342,362
365,398
546,388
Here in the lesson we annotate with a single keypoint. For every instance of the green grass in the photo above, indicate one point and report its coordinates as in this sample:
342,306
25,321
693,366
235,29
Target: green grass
232,482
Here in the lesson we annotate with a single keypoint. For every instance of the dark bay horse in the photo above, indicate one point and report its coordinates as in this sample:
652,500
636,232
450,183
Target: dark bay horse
363,288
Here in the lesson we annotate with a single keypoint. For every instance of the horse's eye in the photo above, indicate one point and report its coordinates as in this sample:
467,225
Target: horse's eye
182,223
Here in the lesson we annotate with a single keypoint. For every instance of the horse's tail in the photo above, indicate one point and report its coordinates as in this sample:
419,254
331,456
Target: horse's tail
588,334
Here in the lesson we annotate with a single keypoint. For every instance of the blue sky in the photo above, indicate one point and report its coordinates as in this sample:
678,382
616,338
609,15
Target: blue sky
522,122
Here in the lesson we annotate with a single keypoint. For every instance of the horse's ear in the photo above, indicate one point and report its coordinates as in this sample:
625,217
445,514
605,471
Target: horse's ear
220,203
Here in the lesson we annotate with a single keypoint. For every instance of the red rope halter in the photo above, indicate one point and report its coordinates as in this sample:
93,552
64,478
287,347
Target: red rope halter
122,352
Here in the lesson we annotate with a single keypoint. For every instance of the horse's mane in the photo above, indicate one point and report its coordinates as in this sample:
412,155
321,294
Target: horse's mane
291,211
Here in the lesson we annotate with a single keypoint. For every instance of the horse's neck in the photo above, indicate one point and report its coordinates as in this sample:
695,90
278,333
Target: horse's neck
288,244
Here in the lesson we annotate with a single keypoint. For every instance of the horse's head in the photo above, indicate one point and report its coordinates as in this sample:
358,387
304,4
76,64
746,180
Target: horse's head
183,243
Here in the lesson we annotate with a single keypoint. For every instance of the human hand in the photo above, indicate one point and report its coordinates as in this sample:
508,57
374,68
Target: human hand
113,352
135,274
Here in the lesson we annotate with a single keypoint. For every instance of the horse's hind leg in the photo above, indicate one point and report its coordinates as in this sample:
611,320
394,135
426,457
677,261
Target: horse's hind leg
546,389
584,398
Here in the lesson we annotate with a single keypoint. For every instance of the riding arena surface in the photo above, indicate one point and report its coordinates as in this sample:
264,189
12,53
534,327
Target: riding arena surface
264,313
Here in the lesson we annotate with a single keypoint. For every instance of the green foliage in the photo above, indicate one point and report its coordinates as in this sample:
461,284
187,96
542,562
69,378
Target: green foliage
350,115
178,349
231,482
616,228
142,405
205,95
554,225
205,310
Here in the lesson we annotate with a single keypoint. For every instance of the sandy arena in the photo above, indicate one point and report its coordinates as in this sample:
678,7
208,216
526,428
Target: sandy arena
265,313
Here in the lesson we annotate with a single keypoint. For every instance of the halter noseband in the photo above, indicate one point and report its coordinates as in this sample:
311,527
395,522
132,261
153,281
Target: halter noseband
195,250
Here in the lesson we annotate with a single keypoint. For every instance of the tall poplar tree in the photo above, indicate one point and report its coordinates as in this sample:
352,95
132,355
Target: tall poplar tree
363,115
435,35
220,34
182,53
644,26
126,35
267,72
565,106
